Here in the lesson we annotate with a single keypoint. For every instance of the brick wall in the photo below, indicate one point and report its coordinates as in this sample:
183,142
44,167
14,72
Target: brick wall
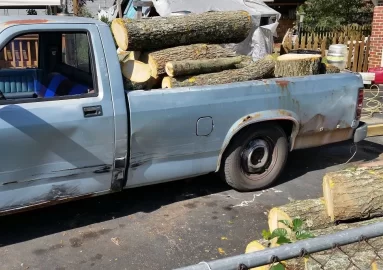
375,58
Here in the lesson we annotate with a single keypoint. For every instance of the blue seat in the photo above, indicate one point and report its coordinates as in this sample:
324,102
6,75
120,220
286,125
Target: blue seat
20,80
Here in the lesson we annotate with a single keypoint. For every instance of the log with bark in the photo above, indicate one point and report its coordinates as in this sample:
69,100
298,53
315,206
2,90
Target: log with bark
337,261
151,83
157,60
160,33
124,56
261,69
290,65
332,69
312,212
195,67
354,193
136,71
255,246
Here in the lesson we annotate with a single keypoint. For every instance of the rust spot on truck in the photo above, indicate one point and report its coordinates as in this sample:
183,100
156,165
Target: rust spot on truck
284,113
283,83
28,21
249,117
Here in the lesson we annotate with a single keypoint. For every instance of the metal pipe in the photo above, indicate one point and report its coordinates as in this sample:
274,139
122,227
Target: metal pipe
286,252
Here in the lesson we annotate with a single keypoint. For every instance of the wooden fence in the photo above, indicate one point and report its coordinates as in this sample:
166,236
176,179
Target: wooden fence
352,31
358,48
22,52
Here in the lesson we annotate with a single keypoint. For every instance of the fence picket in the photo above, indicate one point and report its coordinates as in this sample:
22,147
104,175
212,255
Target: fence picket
356,57
361,56
366,55
350,53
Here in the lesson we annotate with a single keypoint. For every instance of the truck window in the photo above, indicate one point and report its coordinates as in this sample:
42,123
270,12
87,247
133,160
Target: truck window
47,65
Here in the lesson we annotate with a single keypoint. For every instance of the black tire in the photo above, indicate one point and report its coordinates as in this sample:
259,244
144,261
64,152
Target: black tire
234,167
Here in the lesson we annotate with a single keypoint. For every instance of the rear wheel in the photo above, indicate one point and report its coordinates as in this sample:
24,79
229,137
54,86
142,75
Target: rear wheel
255,158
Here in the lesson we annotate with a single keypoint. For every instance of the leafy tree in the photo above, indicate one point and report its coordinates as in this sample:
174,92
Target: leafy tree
335,13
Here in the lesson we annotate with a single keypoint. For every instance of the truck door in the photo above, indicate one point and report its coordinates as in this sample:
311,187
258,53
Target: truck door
56,121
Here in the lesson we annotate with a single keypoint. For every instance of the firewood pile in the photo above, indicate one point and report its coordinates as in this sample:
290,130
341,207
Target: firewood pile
351,198
183,51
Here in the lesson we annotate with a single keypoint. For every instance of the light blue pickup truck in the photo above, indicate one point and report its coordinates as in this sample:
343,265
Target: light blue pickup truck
69,130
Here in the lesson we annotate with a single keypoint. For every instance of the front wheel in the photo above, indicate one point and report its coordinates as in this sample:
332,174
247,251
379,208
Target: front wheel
255,158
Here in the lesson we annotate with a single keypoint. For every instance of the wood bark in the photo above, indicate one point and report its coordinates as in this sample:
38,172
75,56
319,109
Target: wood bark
157,60
136,71
261,69
332,69
361,260
194,67
159,33
290,65
312,212
354,193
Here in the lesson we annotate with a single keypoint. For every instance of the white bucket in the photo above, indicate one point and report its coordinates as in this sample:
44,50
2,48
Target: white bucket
337,55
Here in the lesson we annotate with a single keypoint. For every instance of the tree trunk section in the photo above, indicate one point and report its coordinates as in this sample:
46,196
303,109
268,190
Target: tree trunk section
136,71
332,69
159,33
122,55
151,83
261,69
157,60
355,193
254,247
194,67
338,261
290,65
312,212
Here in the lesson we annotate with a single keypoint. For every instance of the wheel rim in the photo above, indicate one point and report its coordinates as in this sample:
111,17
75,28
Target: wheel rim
256,156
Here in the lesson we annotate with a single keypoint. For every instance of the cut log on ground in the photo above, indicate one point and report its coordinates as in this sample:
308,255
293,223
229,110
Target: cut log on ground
337,261
136,71
157,60
261,69
354,193
160,33
312,212
195,67
253,247
290,65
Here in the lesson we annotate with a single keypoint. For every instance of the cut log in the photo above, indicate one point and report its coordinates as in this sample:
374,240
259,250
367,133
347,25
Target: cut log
354,193
122,55
136,71
134,55
194,67
160,33
312,212
261,69
336,261
290,65
246,60
157,60
152,83
332,69
253,247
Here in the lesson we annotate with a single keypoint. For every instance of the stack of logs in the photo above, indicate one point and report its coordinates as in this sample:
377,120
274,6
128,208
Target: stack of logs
181,51
352,198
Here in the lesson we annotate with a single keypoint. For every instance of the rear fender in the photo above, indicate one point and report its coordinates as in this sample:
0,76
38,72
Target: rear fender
258,117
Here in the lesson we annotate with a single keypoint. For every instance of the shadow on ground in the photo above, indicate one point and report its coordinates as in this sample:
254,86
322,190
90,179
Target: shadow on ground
37,223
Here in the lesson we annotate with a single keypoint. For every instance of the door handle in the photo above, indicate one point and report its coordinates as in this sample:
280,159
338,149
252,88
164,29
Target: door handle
92,111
